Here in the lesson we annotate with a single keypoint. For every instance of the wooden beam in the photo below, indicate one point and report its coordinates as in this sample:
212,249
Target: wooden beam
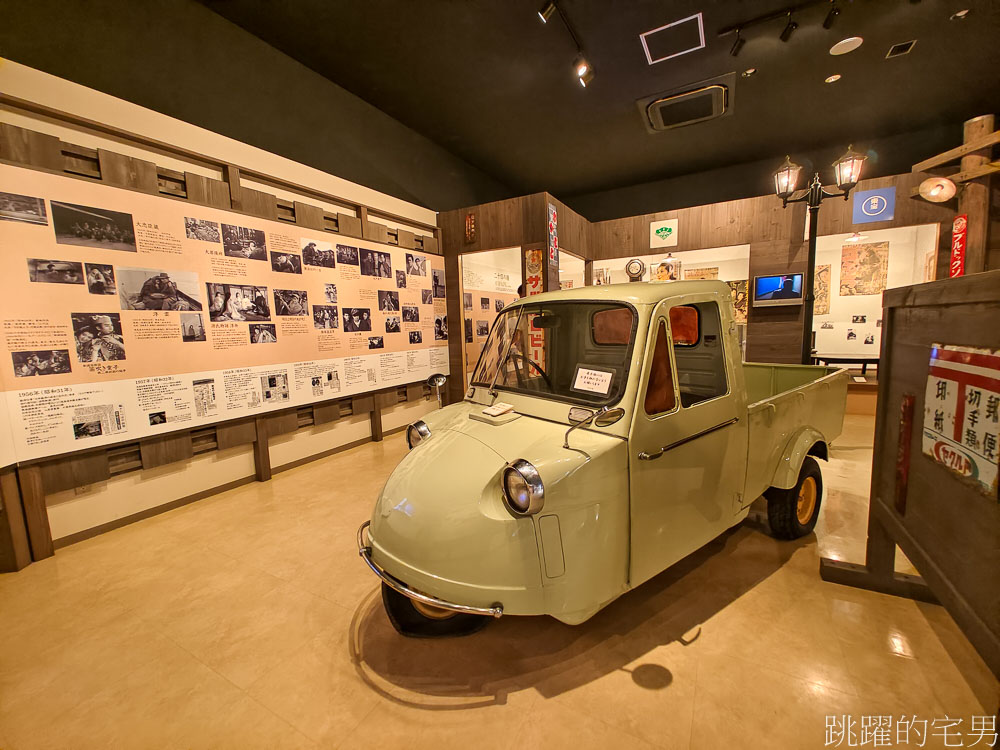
36,515
974,199
13,528
980,142
261,451
980,171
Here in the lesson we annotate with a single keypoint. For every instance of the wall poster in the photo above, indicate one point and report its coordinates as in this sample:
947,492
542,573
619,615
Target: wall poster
821,291
127,315
702,273
741,300
864,268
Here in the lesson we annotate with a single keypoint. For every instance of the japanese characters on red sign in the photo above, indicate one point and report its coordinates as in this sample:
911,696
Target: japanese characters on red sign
959,227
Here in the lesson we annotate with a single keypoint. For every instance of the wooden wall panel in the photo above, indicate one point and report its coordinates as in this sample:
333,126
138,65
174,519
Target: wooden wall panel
207,191
349,225
30,147
307,215
326,413
386,399
78,470
15,549
128,172
774,334
282,422
232,434
165,449
36,516
259,203
835,217
406,239
362,404
430,244
375,232
506,223
414,391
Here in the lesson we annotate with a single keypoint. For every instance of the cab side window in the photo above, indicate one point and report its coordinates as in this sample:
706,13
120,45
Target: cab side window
698,348
660,396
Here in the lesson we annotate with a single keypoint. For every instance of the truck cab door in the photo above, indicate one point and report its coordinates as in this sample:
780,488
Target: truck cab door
688,441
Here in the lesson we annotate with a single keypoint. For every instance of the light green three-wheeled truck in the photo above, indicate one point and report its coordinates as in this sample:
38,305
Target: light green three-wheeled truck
608,432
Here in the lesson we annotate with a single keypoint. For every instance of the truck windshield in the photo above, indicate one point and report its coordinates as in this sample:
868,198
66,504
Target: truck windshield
570,351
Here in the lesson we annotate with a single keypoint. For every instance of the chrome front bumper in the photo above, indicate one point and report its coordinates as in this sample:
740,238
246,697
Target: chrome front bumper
365,551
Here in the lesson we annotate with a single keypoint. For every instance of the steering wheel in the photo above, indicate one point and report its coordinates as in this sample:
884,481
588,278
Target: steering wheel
532,363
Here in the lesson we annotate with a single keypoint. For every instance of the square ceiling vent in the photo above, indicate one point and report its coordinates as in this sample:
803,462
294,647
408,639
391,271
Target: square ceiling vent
674,39
898,50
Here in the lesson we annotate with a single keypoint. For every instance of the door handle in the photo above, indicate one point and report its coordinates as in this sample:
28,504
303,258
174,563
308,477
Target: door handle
651,456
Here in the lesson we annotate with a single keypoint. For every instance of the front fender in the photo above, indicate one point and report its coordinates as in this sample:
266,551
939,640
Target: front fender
796,450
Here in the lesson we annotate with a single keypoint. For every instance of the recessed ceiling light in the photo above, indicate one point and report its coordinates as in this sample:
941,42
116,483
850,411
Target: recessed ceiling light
749,72
960,15
903,48
834,78
846,45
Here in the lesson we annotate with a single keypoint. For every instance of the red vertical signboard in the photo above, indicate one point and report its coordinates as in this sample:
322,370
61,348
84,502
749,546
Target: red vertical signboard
956,266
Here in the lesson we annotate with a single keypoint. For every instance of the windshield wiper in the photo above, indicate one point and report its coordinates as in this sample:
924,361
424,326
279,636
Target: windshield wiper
503,361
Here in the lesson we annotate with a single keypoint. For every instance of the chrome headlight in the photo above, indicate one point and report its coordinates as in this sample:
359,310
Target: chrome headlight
417,432
522,488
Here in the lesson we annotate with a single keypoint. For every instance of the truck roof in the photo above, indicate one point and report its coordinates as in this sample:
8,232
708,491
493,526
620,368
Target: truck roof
637,293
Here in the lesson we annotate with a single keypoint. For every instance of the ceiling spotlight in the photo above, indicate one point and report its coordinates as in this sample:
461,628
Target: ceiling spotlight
580,66
846,45
748,72
587,77
937,189
786,33
738,44
833,79
960,15
547,10
831,15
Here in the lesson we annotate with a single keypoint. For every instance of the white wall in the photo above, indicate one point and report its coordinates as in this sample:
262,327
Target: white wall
732,261
572,271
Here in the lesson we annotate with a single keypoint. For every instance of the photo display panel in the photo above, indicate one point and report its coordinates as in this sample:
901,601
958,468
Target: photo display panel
128,315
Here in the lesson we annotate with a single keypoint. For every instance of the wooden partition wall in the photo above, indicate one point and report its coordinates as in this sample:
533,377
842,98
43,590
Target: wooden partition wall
776,235
24,527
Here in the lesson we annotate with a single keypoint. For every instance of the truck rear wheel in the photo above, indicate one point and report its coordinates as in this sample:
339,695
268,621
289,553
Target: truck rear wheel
418,620
792,513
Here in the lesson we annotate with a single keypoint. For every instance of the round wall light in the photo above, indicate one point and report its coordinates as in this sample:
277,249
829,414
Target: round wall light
937,189
833,79
846,45
748,72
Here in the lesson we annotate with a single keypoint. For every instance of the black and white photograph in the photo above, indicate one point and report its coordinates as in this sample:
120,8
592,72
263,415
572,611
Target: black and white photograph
100,278
440,327
357,319
46,362
851,335
290,302
93,227
437,282
98,337
482,328
87,429
199,229
468,331
467,300
286,263
192,327
243,242
870,338
274,387
237,302
55,271
330,293
400,280
152,289
392,324
325,317
498,305
388,301
374,263
26,208
484,303
157,417
425,297
347,255
826,325
318,253
375,342
859,318
416,337
416,265
411,314
263,333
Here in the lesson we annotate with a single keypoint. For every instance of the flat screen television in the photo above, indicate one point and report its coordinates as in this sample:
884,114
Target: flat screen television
781,289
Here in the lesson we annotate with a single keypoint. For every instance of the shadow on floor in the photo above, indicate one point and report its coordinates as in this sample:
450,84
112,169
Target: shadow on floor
516,653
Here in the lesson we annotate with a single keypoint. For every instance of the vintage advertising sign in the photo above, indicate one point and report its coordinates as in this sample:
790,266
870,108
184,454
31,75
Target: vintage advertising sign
533,283
874,205
961,420
959,228
553,235
663,233
470,228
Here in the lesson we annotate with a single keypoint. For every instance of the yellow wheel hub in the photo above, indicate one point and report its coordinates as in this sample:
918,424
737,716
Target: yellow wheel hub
431,612
806,504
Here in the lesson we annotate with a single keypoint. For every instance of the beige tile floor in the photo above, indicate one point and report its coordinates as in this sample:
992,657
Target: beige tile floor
247,621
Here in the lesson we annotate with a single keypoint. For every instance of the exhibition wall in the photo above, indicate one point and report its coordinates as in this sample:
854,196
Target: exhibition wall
572,271
489,283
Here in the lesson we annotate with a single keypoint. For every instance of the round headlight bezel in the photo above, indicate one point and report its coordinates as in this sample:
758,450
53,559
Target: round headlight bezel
523,471
416,433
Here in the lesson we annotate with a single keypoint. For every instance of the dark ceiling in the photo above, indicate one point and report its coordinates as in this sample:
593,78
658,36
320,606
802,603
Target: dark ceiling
492,84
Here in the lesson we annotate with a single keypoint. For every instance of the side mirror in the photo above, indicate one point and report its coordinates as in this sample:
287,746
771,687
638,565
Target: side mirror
607,417
436,381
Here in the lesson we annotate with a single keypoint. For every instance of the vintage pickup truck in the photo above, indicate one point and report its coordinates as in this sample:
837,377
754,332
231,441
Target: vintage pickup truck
608,432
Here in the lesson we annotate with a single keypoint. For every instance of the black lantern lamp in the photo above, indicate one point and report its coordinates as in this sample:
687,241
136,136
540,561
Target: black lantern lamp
786,179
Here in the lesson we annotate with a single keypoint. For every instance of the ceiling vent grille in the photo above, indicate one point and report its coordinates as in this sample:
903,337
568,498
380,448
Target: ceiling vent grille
898,50
688,105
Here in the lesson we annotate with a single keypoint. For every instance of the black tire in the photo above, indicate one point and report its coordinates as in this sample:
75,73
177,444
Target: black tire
783,505
408,621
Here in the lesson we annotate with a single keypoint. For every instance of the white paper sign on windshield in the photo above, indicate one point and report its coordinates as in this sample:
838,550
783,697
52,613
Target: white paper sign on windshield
592,381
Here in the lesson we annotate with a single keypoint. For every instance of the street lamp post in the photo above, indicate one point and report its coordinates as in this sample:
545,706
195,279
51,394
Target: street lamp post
848,172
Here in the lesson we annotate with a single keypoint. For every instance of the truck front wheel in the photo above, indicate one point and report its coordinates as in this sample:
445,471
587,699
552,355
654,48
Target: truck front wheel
792,513
418,620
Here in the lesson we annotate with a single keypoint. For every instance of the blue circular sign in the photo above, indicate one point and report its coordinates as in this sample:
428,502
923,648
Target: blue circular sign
874,205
